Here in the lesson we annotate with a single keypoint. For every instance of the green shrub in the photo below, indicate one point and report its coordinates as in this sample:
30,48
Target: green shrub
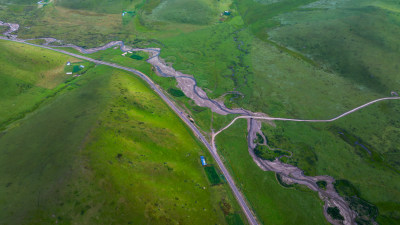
137,57
345,188
263,152
175,92
322,184
212,175
334,212
234,219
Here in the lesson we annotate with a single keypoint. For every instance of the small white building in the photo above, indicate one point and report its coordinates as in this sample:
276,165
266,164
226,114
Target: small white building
68,63
69,73
82,66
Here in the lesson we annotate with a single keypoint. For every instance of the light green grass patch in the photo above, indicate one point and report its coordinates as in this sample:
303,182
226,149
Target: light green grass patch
185,11
146,151
28,76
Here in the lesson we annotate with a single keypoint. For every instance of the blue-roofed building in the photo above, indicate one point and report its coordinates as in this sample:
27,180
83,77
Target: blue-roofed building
203,161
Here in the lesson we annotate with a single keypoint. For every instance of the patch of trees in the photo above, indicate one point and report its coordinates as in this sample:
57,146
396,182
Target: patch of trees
175,92
366,212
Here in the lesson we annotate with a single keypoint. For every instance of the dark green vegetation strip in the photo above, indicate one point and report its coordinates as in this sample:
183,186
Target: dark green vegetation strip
175,92
234,219
212,175
137,57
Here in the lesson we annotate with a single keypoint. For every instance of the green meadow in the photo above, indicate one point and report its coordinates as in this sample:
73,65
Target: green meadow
288,58
273,203
356,40
295,83
28,77
106,150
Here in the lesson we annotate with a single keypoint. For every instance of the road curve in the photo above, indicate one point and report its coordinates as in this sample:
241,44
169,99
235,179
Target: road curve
238,195
301,120
294,174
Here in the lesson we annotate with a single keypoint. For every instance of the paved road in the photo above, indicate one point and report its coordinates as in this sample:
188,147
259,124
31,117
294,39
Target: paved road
243,204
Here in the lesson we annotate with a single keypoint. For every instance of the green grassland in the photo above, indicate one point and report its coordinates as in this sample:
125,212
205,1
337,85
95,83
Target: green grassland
356,40
271,202
212,175
36,169
290,58
91,23
73,25
28,76
101,6
107,151
149,155
212,55
185,11
282,83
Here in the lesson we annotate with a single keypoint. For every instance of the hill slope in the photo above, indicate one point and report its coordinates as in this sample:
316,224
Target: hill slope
106,150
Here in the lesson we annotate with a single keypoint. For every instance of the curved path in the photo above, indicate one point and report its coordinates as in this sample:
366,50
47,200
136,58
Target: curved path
302,120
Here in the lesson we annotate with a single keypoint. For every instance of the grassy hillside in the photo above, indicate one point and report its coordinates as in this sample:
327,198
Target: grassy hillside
39,155
106,150
356,40
28,76
289,58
